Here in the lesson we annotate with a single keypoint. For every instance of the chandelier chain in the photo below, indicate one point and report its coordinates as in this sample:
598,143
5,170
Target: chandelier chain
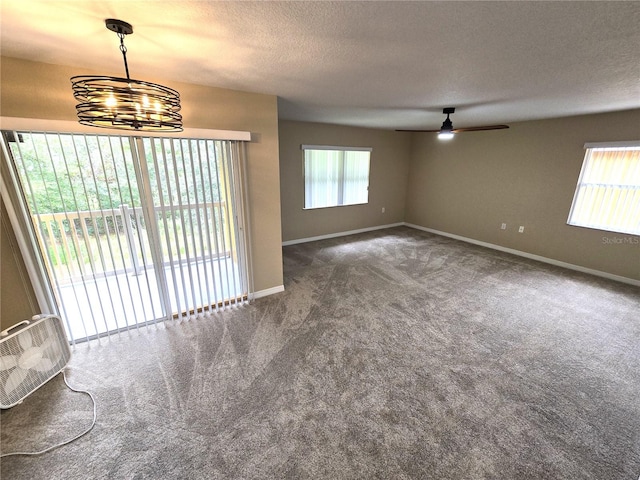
123,49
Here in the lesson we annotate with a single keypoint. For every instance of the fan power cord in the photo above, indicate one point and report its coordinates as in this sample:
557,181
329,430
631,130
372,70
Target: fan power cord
93,423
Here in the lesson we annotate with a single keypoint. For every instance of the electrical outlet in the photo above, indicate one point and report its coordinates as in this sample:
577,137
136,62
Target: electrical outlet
521,229
503,226
383,209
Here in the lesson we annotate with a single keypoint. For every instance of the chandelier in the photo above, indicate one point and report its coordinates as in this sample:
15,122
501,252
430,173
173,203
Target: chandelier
125,103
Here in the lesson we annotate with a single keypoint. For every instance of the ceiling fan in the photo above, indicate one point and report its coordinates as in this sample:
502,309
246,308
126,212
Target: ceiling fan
447,131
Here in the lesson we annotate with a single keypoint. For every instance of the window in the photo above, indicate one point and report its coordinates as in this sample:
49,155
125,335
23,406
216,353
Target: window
608,193
335,176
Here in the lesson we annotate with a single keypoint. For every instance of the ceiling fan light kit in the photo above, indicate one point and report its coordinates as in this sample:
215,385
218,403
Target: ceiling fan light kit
446,130
125,103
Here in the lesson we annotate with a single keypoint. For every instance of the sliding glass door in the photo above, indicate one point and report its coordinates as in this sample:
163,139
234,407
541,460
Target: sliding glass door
132,230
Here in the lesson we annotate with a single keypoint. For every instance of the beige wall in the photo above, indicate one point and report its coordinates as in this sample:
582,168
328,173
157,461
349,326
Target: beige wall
43,91
525,175
522,176
387,179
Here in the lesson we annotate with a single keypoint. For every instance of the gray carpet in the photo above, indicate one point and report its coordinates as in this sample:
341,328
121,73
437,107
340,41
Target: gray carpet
394,354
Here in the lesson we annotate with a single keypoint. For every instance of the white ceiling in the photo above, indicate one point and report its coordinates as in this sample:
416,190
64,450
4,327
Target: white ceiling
375,64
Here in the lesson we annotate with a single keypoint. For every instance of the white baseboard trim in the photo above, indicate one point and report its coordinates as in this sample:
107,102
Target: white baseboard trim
531,256
266,292
341,234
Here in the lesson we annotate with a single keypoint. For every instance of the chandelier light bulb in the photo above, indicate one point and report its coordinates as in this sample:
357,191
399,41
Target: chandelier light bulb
111,101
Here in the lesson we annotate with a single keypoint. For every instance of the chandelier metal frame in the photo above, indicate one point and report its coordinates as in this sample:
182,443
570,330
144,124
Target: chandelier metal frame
126,103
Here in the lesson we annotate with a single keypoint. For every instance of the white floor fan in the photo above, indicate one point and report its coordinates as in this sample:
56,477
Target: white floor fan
31,354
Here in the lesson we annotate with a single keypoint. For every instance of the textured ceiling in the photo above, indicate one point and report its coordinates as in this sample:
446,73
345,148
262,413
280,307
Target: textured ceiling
376,64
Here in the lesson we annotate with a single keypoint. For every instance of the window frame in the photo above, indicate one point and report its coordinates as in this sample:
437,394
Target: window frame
340,180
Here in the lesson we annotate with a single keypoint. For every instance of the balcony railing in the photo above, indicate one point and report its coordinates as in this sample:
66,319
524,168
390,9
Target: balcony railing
86,244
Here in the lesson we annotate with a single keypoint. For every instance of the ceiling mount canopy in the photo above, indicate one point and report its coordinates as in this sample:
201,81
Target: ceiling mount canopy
125,103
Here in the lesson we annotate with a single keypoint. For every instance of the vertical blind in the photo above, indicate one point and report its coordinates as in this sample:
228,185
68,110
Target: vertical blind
133,231
335,176
607,196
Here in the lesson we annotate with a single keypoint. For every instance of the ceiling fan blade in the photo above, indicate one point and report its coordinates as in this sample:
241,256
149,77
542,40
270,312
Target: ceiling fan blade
423,131
478,129
458,130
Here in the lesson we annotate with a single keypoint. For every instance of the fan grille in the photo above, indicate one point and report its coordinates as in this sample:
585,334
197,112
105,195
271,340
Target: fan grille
30,358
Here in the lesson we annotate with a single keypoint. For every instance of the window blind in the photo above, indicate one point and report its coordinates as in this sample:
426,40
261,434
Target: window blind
133,231
335,176
607,196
